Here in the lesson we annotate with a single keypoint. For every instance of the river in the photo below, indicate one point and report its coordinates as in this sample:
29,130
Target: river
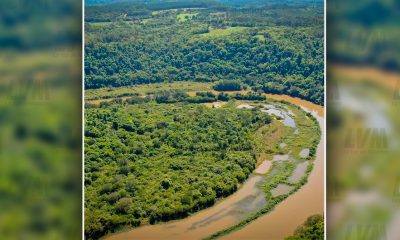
292,212
281,222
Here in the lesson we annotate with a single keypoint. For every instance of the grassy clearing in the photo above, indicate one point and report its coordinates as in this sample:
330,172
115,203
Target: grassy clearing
96,96
146,21
215,104
159,12
183,17
219,32
268,138
100,24
308,133
260,38
193,93
146,89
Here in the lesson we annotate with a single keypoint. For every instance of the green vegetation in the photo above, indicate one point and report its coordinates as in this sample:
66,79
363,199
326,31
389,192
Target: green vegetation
40,148
308,137
201,97
117,127
145,89
185,16
40,120
177,96
221,32
153,151
312,229
228,86
364,33
273,48
148,163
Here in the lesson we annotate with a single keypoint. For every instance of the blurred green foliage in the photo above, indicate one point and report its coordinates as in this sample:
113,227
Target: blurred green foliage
364,32
362,182
41,24
40,120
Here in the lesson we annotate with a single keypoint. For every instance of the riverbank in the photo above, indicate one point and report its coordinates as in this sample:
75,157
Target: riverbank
308,200
229,211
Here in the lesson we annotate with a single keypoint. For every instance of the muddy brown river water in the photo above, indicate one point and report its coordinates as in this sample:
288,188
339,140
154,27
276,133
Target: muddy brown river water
292,212
278,224
249,198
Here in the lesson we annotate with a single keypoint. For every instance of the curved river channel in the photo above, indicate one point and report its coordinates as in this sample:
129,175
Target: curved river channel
276,225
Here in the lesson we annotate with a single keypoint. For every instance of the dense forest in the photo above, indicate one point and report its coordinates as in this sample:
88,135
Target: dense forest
161,150
312,229
276,48
151,162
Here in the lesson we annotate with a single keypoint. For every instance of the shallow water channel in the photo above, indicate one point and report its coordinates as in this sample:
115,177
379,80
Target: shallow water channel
249,199
307,201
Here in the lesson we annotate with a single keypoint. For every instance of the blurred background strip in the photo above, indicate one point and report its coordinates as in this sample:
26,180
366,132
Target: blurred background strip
40,119
363,126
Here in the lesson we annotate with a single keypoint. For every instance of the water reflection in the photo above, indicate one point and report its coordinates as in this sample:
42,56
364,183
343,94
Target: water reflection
285,115
299,172
281,189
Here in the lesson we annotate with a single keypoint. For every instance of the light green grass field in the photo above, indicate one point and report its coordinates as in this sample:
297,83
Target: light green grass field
183,17
219,32
99,24
146,89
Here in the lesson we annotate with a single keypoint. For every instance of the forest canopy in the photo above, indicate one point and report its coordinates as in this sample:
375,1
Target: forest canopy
149,162
277,48
153,151
312,229
228,86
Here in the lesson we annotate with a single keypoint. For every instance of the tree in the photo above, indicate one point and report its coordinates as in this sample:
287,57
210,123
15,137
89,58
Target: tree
123,205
